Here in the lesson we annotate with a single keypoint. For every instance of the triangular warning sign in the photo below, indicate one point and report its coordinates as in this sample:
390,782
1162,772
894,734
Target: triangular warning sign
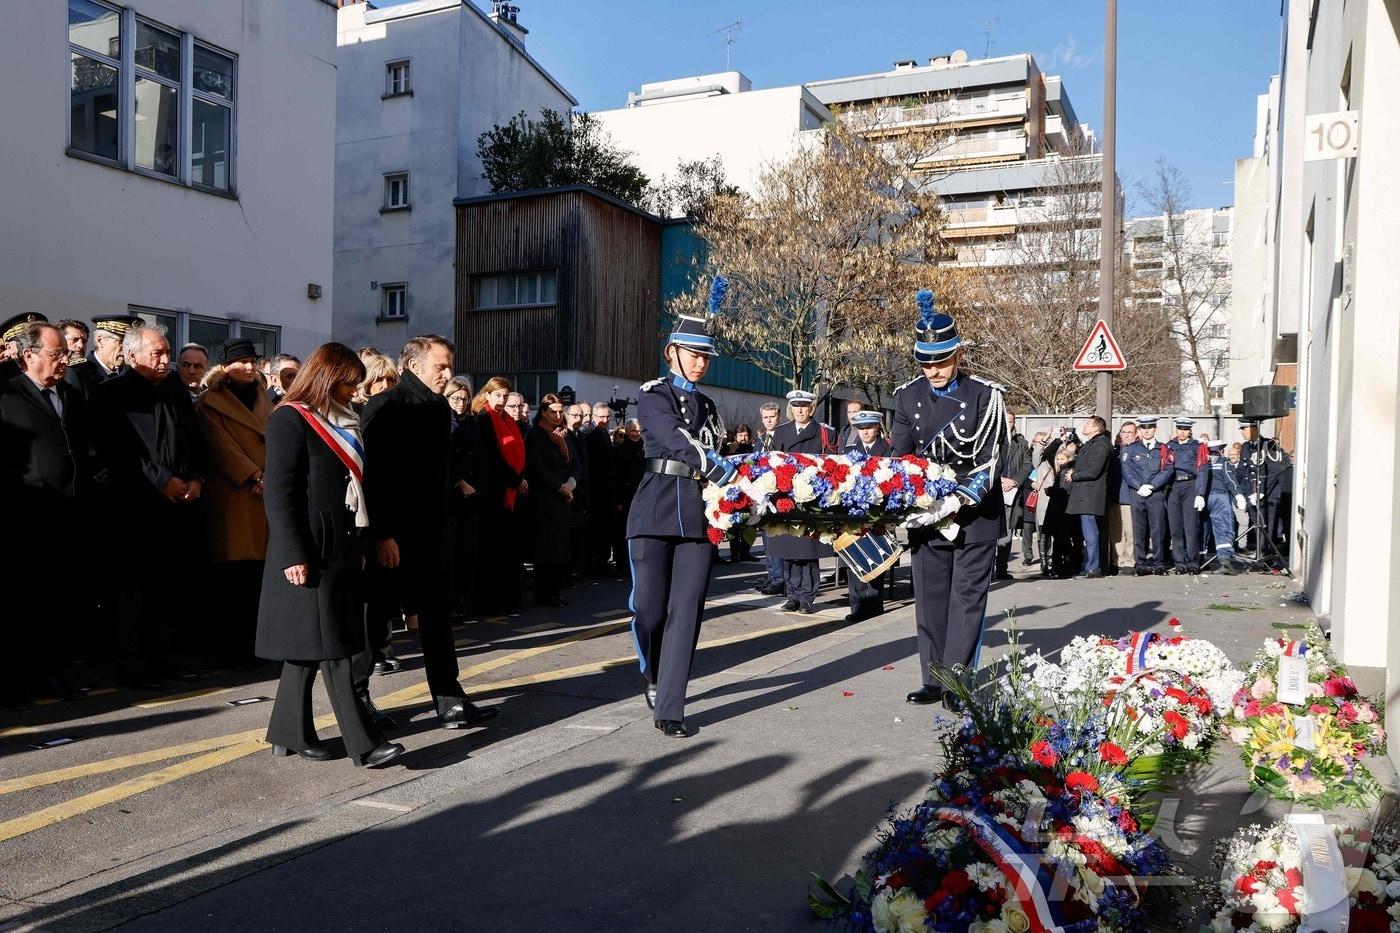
1100,352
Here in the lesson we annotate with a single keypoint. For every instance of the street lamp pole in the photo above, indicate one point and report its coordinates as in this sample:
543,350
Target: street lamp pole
1108,199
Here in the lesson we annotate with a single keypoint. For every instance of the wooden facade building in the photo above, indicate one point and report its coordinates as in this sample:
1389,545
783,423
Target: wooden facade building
562,280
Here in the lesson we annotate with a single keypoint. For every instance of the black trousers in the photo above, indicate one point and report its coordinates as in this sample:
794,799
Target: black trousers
1028,539
801,580
950,604
1185,523
291,725
670,577
867,599
1150,530
141,613
239,585
549,580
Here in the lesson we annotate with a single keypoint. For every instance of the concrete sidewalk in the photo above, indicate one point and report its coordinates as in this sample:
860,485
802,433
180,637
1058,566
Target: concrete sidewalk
597,822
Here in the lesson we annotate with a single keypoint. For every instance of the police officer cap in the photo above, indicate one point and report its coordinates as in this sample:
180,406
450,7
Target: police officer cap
19,322
1215,445
1246,422
866,419
118,324
1185,422
801,397
1148,421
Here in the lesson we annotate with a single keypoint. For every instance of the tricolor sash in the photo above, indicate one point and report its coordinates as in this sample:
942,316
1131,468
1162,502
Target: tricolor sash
1138,645
342,443
1295,649
1029,873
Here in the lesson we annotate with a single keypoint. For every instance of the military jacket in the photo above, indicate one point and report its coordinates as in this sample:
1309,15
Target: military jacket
1143,466
676,417
1186,459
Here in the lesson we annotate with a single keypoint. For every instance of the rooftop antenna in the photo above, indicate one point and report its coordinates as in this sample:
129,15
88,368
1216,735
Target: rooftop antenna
728,34
987,32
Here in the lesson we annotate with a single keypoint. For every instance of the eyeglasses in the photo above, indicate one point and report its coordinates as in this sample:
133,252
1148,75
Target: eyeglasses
51,354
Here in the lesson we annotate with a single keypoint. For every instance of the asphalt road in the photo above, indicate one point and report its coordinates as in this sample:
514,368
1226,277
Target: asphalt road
568,811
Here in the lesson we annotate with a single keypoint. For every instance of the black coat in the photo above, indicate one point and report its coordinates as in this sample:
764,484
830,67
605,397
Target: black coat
602,471
1089,487
408,466
143,434
87,374
628,474
304,485
881,448
1018,469
44,461
547,469
495,474
816,438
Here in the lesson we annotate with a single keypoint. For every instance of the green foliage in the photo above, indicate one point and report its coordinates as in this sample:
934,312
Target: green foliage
558,149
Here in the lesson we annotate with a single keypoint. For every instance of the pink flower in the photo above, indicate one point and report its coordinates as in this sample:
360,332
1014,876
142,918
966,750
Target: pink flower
1251,709
1347,714
1340,687
1365,712
1315,690
1262,689
1317,709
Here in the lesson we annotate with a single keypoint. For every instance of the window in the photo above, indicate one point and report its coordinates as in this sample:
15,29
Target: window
137,89
399,79
393,304
396,191
519,288
209,333
265,339
181,328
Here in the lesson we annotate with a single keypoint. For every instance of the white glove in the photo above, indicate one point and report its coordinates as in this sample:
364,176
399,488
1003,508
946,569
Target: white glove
1145,490
1254,498
1239,501
948,505
1200,503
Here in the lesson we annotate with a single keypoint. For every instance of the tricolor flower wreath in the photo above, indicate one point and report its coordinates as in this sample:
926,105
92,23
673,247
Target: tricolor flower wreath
802,494
1345,728
1263,884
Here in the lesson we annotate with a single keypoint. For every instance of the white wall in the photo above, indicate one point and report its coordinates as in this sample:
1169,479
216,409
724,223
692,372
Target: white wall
747,131
466,77
84,239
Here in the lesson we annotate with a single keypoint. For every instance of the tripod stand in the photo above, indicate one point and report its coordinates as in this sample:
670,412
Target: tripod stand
1265,556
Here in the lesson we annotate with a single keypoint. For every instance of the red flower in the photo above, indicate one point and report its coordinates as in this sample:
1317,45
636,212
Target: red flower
1177,694
1203,705
1043,754
1112,754
1127,823
744,470
1174,622
1081,781
1252,709
1246,885
1178,723
1346,716
785,505
716,536
1339,687
957,882
1294,877
1273,709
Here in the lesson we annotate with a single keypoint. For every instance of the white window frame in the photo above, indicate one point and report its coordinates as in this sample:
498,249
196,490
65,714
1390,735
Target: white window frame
401,84
180,334
127,73
390,180
386,292
539,275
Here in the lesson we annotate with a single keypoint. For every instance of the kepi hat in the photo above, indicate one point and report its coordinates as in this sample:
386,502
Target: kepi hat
19,322
936,335
118,324
692,332
1185,423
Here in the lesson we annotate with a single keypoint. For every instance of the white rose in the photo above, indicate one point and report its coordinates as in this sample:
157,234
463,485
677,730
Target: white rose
1363,881
883,475
908,911
880,914
1279,919
802,490
1264,901
767,484
1015,918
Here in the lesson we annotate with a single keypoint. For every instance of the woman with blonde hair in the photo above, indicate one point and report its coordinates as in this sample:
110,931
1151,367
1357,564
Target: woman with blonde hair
381,374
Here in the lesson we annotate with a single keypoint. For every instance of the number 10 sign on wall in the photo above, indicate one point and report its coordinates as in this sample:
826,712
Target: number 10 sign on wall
1332,135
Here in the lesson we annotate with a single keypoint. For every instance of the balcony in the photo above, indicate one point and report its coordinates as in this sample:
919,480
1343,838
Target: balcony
935,113
980,148
984,255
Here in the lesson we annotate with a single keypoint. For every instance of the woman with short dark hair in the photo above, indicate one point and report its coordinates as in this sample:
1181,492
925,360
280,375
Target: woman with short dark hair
310,615
549,466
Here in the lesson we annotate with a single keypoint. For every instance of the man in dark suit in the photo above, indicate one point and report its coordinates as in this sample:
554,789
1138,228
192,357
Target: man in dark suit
602,489
960,421
866,599
1088,491
151,459
43,468
104,361
801,556
1014,483
408,475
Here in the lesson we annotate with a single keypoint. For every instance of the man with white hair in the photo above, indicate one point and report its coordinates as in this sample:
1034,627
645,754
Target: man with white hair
104,360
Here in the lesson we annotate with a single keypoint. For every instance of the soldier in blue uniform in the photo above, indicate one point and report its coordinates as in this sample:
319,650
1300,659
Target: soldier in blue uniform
960,421
667,534
1219,491
801,556
1183,514
865,598
1147,471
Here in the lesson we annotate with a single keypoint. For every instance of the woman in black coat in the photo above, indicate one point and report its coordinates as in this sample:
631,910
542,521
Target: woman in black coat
463,497
311,615
500,458
549,470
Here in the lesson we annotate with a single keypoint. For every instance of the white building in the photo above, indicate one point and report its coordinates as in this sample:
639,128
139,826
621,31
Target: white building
417,84
1185,271
686,119
171,159
1327,291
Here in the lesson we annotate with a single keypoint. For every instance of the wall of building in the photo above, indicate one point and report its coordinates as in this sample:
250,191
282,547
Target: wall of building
89,239
1248,298
467,77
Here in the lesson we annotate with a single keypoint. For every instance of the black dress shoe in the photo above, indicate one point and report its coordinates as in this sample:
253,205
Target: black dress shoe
382,720
951,702
805,609
1159,571
385,753
768,589
1004,575
675,728
791,605
466,714
1091,575
924,696
650,695
1030,561
311,753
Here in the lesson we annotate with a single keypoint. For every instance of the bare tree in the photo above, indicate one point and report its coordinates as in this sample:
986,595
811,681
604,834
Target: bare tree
1036,299
690,190
1194,283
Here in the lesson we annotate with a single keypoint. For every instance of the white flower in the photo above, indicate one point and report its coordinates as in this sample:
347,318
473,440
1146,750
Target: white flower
988,926
1363,881
802,490
1392,890
907,913
883,474
880,914
1014,917
985,876
765,485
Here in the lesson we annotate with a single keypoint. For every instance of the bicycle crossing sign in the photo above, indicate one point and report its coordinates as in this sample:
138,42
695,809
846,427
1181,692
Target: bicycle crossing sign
1100,352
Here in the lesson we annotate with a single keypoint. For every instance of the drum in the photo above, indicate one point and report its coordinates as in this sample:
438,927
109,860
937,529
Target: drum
868,555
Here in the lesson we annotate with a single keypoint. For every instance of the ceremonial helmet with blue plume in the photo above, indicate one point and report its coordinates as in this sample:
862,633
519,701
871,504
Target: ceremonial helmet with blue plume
693,333
936,335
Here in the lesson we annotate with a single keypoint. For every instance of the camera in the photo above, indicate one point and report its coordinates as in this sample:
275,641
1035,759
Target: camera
619,404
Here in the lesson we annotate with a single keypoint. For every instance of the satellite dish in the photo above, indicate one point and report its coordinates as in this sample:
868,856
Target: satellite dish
958,57
939,62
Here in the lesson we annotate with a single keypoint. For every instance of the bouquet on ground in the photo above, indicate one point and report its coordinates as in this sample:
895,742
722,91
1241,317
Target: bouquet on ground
827,496
1304,727
1271,881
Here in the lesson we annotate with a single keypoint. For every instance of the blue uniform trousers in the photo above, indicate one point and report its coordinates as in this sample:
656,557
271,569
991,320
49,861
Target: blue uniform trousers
1185,524
951,585
1150,530
867,599
1222,524
669,579
773,564
802,579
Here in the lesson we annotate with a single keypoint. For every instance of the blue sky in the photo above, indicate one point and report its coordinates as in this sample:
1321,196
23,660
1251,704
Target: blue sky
1189,70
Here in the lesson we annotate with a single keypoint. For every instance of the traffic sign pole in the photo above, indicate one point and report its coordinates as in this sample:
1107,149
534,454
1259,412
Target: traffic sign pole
1108,201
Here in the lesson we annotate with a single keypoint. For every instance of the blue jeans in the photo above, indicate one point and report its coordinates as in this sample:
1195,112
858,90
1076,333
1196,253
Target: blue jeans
1222,522
774,565
1089,528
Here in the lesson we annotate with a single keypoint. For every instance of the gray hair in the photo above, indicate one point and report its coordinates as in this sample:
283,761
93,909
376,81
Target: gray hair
421,345
602,405
634,421
136,336
194,346
768,406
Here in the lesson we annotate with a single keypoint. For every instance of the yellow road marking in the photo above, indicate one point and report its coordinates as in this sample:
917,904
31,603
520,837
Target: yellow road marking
20,730
126,761
79,805
180,697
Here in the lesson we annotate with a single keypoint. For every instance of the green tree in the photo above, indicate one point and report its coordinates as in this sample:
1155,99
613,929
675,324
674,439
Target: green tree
558,149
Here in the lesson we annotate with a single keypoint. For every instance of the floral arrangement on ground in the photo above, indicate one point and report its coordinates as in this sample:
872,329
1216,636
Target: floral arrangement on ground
801,494
1308,746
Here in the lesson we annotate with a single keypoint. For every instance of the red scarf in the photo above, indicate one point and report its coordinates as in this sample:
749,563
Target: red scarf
512,447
